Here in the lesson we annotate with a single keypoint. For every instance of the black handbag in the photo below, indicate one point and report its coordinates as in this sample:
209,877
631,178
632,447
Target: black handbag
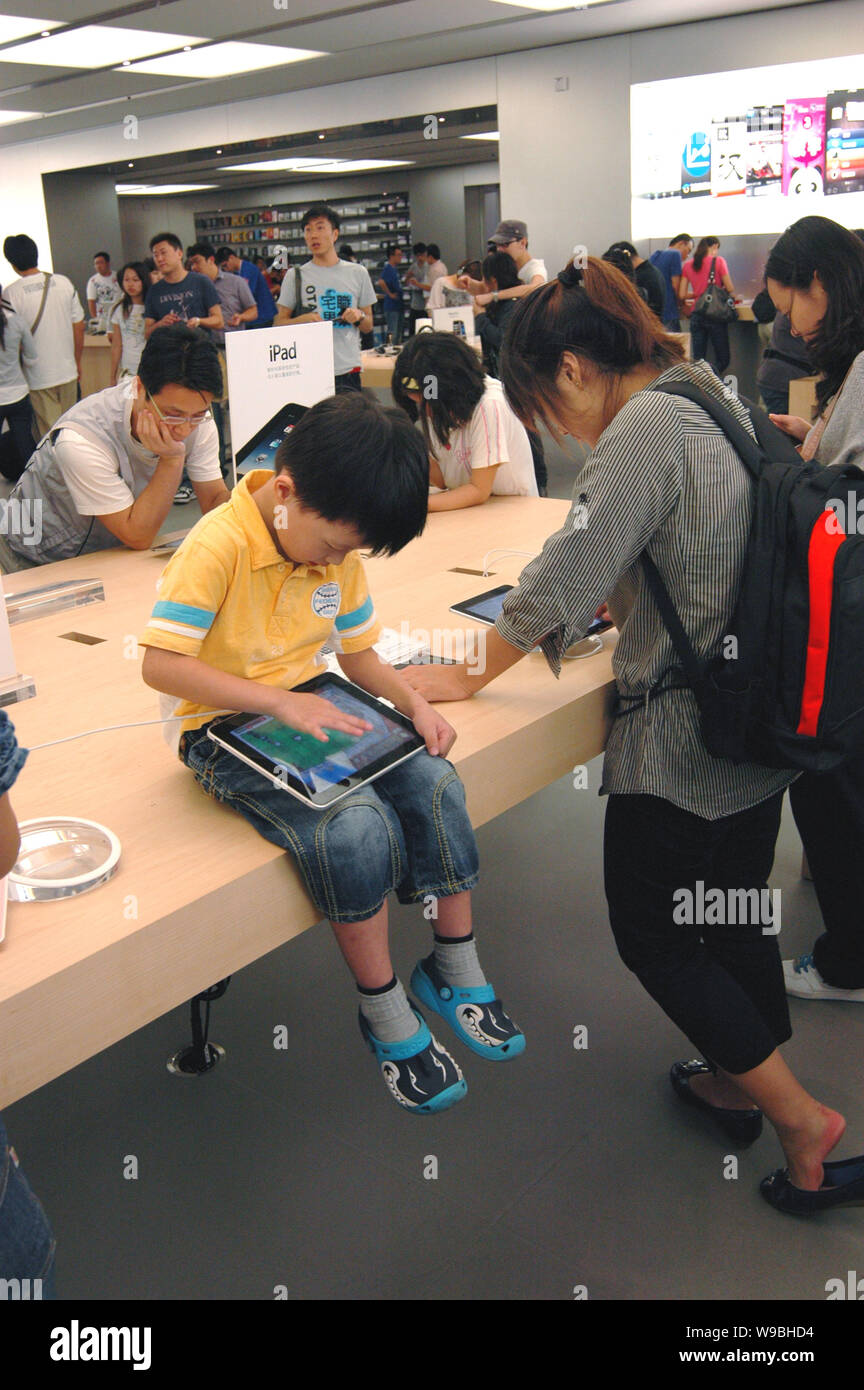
715,303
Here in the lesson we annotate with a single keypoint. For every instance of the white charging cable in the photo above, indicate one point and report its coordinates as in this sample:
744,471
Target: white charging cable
137,724
596,646
501,552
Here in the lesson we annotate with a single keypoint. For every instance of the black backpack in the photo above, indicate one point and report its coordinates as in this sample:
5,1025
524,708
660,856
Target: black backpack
789,690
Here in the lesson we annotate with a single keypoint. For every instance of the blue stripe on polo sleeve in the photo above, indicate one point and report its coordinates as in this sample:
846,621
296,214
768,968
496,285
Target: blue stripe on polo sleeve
184,613
360,615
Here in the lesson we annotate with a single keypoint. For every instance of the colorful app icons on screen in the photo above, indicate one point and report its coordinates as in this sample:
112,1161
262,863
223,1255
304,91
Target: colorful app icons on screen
803,146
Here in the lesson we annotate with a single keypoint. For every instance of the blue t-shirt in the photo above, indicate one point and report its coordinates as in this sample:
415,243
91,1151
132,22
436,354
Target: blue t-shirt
263,298
190,298
668,262
390,276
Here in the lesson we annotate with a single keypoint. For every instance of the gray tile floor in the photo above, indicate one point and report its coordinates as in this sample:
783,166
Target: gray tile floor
569,1167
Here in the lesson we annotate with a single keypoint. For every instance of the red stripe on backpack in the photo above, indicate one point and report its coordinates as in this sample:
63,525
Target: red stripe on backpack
821,556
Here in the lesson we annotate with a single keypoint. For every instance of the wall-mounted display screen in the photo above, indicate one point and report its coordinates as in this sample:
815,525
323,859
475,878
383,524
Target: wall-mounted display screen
748,151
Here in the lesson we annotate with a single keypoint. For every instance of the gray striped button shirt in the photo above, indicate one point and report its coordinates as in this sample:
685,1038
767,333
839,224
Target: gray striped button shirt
662,477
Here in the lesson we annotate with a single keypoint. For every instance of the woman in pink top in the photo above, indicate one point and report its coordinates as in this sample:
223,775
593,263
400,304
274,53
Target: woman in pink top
695,274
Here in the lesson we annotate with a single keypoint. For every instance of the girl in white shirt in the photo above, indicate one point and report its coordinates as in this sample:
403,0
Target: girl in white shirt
126,323
476,445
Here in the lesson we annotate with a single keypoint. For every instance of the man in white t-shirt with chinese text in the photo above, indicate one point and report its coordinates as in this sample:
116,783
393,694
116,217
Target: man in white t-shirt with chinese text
330,290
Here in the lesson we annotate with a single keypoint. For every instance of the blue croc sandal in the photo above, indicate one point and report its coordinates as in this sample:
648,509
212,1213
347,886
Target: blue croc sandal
420,1075
475,1015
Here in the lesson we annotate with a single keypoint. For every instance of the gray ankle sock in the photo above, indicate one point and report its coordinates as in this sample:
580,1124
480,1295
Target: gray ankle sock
389,1014
458,961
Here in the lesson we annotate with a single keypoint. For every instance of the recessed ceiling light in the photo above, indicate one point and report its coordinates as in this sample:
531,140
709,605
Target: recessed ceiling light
10,117
350,166
19,26
139,189
46,33
289,162
223,60
322,137
218,151
484,135
131,164
550,4
299,165
93,46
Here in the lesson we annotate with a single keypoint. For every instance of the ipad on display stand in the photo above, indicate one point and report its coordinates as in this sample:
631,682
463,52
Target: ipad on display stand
260,450
485,607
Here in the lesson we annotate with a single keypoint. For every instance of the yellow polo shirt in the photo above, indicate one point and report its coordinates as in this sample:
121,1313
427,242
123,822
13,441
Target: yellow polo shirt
231,599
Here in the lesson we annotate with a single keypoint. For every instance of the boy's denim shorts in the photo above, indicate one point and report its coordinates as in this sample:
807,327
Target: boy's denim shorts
407,832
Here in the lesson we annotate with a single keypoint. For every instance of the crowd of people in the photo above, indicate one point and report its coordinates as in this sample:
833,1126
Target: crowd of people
587,354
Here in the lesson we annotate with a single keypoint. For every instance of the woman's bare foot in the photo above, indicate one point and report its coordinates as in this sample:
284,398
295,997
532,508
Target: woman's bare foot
720,1091
807,1146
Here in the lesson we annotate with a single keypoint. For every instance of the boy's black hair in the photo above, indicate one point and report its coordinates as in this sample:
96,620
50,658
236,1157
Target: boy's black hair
433,250
201,248
449,376
682,236
322,210
346,252
170,237
224,254
391,251
104,254
419,248
353,460
21,253
179,356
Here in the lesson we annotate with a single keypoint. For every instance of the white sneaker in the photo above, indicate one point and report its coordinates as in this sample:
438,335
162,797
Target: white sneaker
804,981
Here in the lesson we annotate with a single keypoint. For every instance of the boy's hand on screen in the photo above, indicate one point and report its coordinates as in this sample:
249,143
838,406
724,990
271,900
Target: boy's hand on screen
311,715
433,727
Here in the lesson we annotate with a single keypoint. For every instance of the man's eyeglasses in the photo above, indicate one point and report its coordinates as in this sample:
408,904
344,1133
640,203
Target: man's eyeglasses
193,420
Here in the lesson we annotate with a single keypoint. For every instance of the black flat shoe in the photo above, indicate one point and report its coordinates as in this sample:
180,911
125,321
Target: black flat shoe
743,1127
842,1186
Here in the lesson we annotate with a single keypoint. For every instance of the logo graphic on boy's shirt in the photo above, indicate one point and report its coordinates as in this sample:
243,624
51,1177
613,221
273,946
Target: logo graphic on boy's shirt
325,600
331,305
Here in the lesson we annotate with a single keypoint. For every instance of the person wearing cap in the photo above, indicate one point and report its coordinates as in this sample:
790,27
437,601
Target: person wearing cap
512,238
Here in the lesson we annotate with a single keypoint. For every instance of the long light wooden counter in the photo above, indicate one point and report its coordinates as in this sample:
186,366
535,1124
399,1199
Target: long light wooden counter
198,894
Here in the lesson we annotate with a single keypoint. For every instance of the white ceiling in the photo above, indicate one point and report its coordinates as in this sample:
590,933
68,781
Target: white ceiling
360,38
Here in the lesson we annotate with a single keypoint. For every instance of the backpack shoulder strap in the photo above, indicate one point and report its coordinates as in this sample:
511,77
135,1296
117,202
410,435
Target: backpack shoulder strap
745,446
38,319
298,289
680,641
